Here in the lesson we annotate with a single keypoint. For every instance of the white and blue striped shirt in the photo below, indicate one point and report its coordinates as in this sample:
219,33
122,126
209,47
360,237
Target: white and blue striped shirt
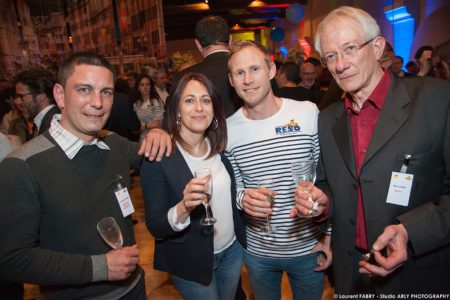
259,149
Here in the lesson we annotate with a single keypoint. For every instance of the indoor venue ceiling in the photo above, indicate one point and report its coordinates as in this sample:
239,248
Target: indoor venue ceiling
180,16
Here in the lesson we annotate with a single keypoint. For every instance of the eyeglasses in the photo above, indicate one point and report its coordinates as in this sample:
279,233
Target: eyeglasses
349,51
21,96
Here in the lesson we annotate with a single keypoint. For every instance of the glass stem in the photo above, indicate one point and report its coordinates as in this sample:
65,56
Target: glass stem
207,211
268,221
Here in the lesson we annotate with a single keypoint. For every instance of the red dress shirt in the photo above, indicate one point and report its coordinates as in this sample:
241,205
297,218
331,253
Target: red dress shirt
362,124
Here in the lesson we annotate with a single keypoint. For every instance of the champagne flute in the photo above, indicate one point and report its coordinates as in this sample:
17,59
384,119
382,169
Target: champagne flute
206,173
269,184
304,175
110,232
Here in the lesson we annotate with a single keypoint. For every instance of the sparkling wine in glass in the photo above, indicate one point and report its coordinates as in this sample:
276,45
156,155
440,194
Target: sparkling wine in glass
206,174
268,183
304,175
110,232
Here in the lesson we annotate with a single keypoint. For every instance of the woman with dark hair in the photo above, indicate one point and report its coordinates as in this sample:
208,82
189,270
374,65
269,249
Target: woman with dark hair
149,107
205,261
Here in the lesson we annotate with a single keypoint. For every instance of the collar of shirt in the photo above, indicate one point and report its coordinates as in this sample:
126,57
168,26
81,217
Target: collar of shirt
68,142
377,97
158,89
222,50
40,116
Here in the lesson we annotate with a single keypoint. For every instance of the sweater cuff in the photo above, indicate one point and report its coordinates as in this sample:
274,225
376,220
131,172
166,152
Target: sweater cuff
99,268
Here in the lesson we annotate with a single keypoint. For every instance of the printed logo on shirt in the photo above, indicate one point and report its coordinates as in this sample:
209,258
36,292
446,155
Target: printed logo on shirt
289,128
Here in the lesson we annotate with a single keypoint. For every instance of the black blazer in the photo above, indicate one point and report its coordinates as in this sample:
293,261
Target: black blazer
188,254
123,119
415,119
47,119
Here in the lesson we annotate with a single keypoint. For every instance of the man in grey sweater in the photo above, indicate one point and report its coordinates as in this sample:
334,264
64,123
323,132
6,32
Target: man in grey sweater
56,188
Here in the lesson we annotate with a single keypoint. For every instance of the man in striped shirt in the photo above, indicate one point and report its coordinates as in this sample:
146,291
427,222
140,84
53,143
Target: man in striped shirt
264,137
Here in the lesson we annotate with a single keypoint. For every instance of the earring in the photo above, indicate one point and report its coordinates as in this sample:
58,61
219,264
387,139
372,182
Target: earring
215,123
178,121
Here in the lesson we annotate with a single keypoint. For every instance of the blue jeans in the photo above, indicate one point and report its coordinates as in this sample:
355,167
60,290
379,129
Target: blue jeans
225,277
265,276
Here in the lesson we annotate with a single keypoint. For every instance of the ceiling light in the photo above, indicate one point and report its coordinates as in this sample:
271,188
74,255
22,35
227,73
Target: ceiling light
257,3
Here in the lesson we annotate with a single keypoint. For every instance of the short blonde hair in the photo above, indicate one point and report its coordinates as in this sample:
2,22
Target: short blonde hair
237,46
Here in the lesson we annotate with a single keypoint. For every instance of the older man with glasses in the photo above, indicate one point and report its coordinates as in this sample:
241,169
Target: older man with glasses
385,165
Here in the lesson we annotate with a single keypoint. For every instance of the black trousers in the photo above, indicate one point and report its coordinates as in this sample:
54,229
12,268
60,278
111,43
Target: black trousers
138,292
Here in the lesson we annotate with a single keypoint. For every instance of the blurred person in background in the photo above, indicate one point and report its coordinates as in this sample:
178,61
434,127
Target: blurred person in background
8,109
387,58
397,67
132,78
308,77
412,68
423,60
162,84
287,78
440,61
148,106
212,38
34,96
123,119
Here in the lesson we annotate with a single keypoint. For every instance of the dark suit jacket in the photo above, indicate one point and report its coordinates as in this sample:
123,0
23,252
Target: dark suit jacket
415,119
47,119
188,254
215,67
298,93
123,119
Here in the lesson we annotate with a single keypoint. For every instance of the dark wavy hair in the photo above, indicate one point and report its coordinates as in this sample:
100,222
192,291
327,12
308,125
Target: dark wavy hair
218,136
38,81
153,93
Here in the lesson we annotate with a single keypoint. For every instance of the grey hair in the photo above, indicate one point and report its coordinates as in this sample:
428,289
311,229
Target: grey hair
370,27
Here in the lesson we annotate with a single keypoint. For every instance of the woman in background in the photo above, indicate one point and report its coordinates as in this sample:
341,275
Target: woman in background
205,261
149,106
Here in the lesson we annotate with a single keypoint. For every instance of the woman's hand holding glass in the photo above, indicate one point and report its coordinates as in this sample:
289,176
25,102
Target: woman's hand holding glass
194,194
206,175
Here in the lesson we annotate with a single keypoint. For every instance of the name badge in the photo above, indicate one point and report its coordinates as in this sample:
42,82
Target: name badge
123,197
400,188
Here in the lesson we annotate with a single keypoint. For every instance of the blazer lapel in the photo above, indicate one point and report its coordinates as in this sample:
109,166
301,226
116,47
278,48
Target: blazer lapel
392,117
178,172
342,136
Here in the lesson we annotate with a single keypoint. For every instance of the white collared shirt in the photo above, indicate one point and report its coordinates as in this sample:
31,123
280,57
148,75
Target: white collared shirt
68,142
40,116
162,93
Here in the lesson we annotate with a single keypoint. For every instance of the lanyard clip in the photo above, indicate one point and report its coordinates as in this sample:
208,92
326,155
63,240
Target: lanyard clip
406,159
119,182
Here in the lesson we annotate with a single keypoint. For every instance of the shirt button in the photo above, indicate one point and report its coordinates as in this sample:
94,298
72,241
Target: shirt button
364,150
